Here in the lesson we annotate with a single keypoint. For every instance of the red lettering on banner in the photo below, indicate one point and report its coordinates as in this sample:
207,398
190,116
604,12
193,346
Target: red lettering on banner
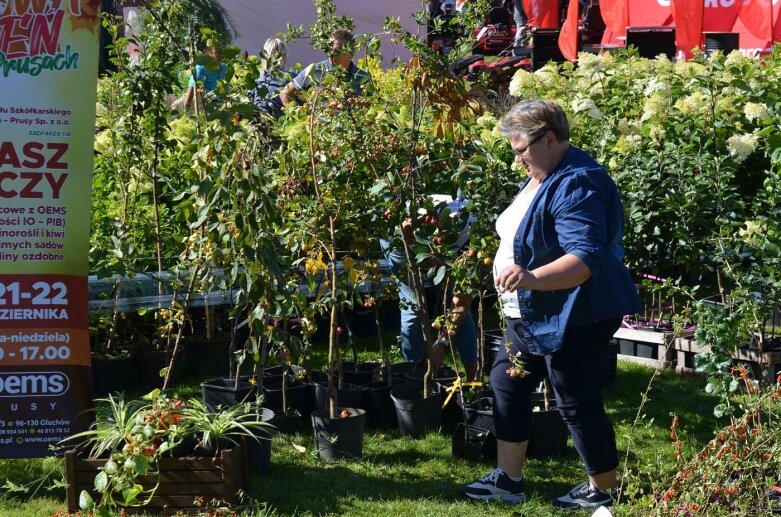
34,157
35,6
25,185
30,34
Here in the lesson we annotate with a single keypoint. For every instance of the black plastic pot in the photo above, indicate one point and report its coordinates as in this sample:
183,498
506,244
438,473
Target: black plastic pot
480,413
259,451
295,392
416,415
472,443
380,407
110,374
452,411
149,363
338,438
626,347
445,375
647,351
207,357
493,340
309,402
291,422
549,432
401,371
361,374
221,391
349,396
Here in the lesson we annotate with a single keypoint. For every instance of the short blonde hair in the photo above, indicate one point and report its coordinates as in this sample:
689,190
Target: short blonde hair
274,46
530,118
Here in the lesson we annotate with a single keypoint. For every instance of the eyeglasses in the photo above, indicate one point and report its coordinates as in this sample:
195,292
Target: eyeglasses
522,150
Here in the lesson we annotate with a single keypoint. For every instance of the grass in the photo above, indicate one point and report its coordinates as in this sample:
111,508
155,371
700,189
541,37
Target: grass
401,476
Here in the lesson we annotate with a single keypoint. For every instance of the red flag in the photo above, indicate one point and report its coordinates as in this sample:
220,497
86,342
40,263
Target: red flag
757,16
615,14
543,14
568,37
687,17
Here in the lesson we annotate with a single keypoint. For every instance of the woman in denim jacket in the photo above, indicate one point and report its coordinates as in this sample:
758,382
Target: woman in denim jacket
564,288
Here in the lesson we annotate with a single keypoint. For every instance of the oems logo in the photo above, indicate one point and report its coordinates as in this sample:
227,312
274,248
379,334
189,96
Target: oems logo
41,384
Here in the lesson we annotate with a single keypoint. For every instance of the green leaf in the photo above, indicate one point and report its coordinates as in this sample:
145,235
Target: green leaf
440,275
130,494
718,411
378,187
85,501
101,481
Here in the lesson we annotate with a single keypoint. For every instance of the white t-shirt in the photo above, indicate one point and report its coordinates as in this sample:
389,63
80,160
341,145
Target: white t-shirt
507,226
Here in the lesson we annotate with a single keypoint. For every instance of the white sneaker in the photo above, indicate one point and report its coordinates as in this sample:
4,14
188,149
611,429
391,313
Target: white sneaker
496,486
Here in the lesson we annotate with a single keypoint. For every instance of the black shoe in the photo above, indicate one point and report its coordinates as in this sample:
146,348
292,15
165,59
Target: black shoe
496,486
585,496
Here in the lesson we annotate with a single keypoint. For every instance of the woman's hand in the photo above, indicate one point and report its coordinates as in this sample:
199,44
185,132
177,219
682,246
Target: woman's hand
514,277
565,272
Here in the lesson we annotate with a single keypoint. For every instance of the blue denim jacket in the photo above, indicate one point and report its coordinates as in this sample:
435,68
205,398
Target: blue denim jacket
576,211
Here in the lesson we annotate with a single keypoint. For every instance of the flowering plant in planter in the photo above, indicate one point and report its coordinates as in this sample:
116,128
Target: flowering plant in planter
133,436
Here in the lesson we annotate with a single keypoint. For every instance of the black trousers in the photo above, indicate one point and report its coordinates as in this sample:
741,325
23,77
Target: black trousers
577,375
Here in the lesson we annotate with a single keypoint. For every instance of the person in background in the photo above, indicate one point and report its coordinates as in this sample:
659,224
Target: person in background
206,77
521,20
340,56
271,79
412,344
564,288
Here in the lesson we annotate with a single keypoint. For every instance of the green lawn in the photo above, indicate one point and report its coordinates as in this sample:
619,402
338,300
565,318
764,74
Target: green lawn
401,476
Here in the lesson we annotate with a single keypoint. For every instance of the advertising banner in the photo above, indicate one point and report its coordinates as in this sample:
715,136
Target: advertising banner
48,75
758,22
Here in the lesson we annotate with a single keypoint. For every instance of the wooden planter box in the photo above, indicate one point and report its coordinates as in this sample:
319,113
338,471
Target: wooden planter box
182,480
646,347
765,366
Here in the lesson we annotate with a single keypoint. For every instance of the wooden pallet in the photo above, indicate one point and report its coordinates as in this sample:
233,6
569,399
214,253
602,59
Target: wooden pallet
181,480
685,350
645,347
765,366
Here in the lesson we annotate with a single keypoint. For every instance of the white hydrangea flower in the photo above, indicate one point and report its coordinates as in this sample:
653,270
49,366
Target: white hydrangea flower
597,89
517,167
689,68
655,85
581,104
653,106
741,146
487,121
521,81
590,64
656,132
548,75
735,58
756,111
634,141
693,103
752,233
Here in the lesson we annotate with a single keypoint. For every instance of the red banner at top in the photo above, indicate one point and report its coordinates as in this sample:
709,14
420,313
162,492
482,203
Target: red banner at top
688,18
543,14
568,38
757,21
